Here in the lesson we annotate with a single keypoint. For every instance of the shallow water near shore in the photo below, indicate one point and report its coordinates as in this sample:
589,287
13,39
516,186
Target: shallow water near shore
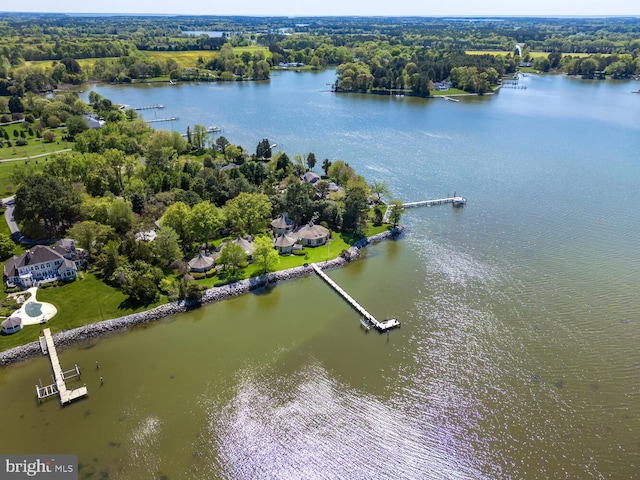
518,352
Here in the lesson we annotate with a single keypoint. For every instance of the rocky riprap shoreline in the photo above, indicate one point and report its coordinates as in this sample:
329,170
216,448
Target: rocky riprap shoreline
212,295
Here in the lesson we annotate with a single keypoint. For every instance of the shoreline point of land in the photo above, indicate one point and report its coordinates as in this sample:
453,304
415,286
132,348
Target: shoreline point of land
216,294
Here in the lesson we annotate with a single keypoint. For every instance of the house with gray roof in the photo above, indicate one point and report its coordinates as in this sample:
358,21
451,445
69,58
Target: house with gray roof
281,225
284,243
42,263
245,244
11,325
94,121
310,177
201,263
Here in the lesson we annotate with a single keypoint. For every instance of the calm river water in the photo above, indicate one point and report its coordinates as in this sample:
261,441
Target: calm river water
518,355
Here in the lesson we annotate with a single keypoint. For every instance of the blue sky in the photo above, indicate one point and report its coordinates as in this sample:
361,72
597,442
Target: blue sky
333,7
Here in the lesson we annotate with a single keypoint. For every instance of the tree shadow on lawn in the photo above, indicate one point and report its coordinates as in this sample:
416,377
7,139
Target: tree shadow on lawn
132,306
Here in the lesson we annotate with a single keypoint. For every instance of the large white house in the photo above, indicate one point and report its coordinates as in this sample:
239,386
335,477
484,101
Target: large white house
42,263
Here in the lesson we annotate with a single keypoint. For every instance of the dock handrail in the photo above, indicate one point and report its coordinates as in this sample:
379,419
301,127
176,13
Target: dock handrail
380,326
456,201
59,387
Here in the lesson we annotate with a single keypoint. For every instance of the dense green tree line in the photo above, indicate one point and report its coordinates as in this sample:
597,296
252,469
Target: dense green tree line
400,53
415,71
125,178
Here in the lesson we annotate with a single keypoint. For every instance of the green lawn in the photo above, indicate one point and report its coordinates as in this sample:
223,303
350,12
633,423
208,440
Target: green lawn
451,91
84,301
89,299
34,148
7,187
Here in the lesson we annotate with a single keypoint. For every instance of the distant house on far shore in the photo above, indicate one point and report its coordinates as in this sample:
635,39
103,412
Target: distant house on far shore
310,177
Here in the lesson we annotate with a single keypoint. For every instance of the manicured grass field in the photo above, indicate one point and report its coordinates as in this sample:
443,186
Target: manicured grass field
451,91
252,49
32,149
7,187
35,146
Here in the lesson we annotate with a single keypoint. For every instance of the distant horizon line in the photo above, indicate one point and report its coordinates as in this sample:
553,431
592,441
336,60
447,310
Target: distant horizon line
125,14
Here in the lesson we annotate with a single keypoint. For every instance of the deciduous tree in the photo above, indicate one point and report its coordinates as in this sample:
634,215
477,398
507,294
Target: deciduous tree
166,245
92,236
264,255
355,210
203,221
248,212
379,188
396,212
47,199
232,256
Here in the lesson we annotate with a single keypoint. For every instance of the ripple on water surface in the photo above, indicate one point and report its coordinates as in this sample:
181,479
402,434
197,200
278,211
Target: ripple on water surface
322,429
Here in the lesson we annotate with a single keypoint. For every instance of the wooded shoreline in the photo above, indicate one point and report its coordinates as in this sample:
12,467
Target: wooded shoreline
216,294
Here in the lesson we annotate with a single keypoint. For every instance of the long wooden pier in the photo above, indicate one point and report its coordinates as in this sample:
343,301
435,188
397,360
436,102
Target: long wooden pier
59,387
456,201
368,319
168,119
150,107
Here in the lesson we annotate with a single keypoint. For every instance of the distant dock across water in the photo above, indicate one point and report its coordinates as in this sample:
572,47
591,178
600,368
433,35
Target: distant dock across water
150,107
167,119
456,201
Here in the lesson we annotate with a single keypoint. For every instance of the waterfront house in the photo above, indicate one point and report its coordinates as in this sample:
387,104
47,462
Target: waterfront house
282,224
312,235
284,243
443,86
42,263
201,263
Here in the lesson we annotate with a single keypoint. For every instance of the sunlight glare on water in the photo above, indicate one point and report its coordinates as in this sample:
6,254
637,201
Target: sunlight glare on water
311,426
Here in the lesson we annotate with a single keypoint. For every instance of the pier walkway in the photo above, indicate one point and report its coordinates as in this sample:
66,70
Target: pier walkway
59,387
456,201
150,107
368,319
156,120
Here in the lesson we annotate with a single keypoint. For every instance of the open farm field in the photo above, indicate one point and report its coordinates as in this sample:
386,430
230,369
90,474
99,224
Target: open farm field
85,63
186,59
